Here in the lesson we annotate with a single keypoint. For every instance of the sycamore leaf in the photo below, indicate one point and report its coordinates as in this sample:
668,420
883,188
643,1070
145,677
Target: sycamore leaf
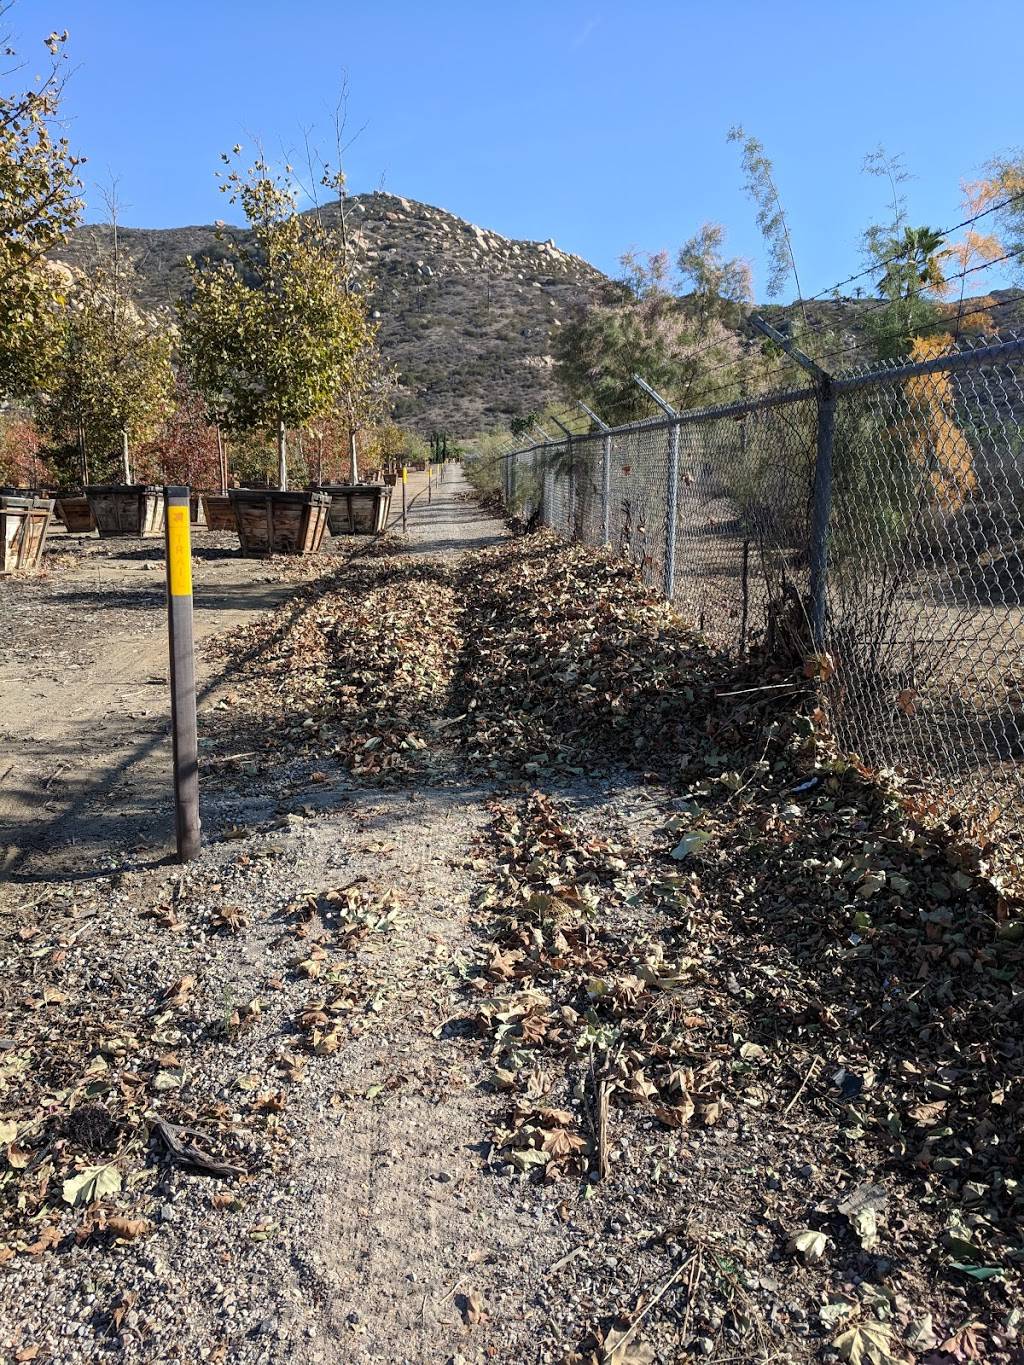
867,1343
130,1229
95,1182
810,1244
560,1143
620,1347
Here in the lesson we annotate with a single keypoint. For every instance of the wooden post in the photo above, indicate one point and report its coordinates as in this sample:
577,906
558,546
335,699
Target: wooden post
429,463
405,480
184,735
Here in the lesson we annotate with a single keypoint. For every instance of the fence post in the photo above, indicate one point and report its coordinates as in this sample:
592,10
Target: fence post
184,737
671,514
571,528
672,492
821,507
606,470
821,512
606,491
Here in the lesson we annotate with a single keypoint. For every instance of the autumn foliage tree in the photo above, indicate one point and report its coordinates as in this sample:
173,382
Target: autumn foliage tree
186,449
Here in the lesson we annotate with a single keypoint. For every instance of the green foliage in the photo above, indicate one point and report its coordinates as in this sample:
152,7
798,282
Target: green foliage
272,335
910,267
112,380
678,344
416,448
771,216
39,205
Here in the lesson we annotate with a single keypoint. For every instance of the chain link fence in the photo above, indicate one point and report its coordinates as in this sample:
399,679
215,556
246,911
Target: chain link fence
872,522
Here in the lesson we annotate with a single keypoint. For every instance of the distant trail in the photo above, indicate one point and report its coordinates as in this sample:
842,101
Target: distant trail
450,523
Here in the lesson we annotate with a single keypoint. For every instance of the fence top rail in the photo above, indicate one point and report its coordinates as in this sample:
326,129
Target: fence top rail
970,358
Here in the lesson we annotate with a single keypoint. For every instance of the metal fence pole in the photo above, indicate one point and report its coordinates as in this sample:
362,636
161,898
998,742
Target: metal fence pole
821,513
571,528
671,514
606,491
606,470
184,735
672,492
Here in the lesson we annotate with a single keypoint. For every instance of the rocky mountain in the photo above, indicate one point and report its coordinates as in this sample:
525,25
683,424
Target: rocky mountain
468,316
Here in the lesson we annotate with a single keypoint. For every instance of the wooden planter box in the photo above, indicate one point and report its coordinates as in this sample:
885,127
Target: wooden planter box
77,515
358,509
127,509
270,522
24,523
220,515
390,479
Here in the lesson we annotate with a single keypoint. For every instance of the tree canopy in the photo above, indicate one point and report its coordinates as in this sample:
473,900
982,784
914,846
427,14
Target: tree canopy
112,383
671,327
39,204
273,335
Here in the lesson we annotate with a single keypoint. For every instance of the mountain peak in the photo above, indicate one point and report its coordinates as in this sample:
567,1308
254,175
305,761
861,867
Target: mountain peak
468,315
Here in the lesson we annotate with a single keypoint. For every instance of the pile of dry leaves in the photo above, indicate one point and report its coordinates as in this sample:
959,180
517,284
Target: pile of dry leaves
353,670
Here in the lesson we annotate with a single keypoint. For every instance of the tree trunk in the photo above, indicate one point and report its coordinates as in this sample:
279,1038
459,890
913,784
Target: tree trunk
354,456
83,455
222,464
282,456
320,458
125,456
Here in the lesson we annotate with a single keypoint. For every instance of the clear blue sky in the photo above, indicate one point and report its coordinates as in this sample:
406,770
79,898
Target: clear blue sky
601,125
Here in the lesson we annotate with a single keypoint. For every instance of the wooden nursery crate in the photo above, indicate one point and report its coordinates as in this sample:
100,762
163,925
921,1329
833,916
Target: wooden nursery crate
77,515
127,509
272,522
220,515
24,523
357,509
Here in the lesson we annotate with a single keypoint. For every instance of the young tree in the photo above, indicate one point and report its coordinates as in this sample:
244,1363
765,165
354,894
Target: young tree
273,336
187,450
22,459
364,399
1001,188
39,204
675,342
111,386
771,216
911,279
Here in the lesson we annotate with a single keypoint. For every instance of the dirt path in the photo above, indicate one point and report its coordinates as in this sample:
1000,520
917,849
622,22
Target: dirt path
388,1241
84,741
393,987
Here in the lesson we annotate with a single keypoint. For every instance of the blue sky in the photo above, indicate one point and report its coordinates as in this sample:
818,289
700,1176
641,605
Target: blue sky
600,125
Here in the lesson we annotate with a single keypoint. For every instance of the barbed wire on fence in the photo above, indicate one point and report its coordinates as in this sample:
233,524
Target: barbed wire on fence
889,498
